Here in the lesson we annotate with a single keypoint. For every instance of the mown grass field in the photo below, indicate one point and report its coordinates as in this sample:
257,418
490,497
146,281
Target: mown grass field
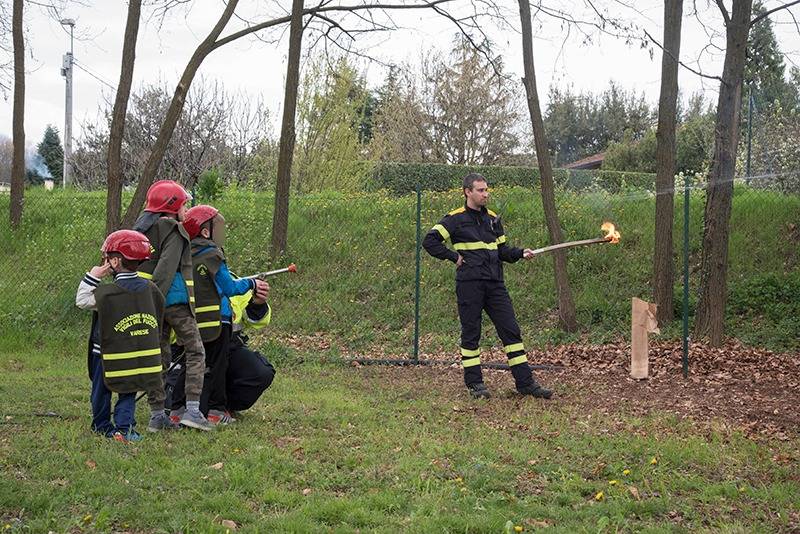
332,448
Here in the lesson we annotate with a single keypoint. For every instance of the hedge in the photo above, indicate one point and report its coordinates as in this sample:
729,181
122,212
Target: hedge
402,178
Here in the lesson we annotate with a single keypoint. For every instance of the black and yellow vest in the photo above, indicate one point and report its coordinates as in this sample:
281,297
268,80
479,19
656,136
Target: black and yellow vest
207,259
157,234
130,332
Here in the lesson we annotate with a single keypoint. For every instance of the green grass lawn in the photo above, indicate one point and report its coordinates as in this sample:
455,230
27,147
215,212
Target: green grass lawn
331,448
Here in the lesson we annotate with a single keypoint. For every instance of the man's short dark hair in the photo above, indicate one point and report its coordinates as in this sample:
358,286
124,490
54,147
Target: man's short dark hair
471,178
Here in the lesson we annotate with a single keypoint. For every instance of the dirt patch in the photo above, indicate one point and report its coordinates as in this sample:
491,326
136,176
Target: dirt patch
752,389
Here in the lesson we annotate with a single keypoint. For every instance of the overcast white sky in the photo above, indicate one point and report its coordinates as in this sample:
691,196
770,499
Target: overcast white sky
256,68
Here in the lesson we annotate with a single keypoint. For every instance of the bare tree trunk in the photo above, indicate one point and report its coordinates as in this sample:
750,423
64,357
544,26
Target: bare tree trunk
280,217
18,159
663,263
714,266
208,45
114,184
566,306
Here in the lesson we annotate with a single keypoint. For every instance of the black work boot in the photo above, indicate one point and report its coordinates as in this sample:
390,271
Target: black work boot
478,391
535,390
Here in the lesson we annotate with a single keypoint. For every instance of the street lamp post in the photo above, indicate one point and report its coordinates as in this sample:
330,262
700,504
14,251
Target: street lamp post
66,72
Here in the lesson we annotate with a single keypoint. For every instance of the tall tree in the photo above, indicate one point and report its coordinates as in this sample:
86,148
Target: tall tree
579,125
764,68
52,152
710,319
18,163
280,216
330,123
114,158
665,160
566,305
320,13
208,45
471,107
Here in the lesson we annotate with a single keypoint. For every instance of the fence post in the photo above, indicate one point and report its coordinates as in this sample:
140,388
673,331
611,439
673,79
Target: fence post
416,277
686,197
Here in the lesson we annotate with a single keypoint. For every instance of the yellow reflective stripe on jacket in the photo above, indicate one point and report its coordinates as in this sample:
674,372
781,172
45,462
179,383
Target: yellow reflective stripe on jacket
501,239
128,355
517,360
442,231
146,276
208,324
470,352
201,309
514,347
189,282
475,245
131,372
471,362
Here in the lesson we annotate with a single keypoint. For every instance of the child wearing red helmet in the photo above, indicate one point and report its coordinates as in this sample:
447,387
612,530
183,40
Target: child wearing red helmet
214,285
170,268
124,347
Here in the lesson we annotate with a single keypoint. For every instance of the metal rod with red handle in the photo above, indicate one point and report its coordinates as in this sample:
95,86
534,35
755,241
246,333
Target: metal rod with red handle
292,268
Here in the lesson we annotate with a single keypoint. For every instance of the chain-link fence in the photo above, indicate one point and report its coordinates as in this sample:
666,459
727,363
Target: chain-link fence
357,256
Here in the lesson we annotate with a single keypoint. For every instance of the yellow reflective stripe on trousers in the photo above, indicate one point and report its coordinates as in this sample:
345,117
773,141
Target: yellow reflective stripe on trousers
475,245
517,360
128,355
470,352
208,324
131,372
201,309
189,282
146,276
513,347
442,231
471,362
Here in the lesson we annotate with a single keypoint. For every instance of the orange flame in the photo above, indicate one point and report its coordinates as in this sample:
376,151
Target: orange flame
611,232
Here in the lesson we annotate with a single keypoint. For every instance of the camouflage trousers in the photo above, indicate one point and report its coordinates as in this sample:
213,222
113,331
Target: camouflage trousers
179,318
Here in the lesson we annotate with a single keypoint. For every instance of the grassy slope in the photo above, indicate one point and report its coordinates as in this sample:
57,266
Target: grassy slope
356,255
333,449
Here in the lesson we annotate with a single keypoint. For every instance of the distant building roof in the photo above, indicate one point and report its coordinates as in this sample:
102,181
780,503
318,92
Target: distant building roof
591,162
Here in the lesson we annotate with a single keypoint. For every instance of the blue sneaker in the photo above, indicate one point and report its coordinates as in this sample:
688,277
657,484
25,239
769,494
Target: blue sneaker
130,435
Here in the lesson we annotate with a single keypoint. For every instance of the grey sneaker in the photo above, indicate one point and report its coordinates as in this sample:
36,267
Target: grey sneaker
479,391
195,419
159,422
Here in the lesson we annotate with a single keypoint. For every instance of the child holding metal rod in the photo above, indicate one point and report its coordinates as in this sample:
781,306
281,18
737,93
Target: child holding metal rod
214,285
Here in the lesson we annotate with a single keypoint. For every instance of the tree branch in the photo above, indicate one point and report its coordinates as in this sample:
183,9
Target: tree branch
681,63
724,11
771,11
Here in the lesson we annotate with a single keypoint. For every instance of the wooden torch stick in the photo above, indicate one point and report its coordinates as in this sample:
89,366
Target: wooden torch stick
570,244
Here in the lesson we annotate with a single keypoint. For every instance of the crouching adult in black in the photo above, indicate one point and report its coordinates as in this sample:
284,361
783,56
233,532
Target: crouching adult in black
249,372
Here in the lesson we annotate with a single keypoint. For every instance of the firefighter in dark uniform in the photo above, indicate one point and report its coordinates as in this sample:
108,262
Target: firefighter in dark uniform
479,250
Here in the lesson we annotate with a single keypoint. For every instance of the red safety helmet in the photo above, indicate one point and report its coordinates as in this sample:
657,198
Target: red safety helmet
166,196
196,216
131,244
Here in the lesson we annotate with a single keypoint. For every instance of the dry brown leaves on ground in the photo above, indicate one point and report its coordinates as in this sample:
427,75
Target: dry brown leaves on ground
753,389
